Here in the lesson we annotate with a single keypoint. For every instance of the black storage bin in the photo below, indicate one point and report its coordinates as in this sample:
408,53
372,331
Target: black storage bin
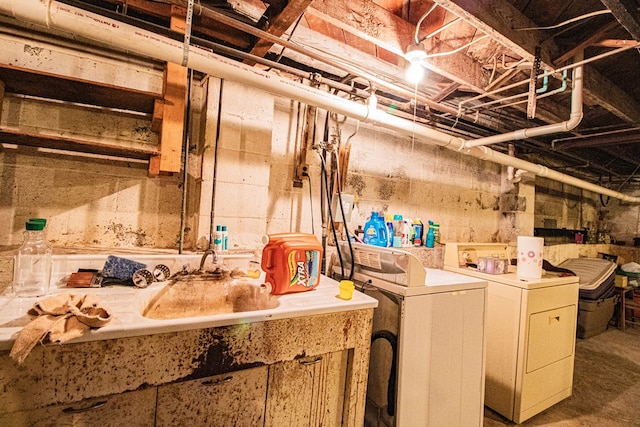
594,316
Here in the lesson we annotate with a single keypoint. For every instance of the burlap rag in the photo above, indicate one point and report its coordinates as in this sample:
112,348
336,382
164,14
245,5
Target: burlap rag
59,319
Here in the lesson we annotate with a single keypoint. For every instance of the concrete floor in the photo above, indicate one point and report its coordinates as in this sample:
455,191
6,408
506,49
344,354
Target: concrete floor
606,385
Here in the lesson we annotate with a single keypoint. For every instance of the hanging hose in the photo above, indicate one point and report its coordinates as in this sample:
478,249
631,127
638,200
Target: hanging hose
392,339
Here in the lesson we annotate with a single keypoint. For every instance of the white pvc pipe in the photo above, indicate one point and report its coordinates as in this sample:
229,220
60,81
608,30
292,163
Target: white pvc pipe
574,119
60,16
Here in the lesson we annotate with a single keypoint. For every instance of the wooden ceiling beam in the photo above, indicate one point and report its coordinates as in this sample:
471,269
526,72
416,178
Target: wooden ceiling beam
500,20
392,33
281,23
629,136
626,12
590,41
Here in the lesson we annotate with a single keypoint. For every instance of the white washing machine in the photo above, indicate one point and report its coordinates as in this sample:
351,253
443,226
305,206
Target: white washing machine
531,331
427,354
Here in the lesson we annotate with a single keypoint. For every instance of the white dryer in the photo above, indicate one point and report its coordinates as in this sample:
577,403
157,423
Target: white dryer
531,330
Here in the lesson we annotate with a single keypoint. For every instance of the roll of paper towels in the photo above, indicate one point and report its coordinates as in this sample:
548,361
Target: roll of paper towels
530,257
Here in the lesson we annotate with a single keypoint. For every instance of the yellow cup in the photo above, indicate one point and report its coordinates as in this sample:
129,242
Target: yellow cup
346,289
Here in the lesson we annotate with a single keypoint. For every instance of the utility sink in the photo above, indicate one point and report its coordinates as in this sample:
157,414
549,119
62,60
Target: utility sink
206,294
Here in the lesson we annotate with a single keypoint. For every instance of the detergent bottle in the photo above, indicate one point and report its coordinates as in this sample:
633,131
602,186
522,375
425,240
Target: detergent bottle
418,231
398,228
291,262
375,231
388,220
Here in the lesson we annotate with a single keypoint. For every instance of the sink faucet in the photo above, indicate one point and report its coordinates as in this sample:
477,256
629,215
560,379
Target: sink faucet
206,253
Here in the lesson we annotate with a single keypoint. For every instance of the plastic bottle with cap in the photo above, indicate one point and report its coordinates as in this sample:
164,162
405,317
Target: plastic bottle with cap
32,273
430,240
375,231
217,239
418,232
398,227
390,233
436,233
225,239
406,233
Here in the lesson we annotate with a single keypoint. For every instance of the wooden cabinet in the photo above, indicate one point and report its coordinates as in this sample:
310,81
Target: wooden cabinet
135,408
308,391
233,399
237,375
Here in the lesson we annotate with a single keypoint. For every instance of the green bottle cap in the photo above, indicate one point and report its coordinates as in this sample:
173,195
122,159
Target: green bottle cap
42,220
34,225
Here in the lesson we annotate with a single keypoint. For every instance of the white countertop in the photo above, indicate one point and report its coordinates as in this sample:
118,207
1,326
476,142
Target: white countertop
126,304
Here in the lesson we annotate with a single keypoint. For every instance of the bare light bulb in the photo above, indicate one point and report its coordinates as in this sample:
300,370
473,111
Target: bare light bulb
415,55
415,72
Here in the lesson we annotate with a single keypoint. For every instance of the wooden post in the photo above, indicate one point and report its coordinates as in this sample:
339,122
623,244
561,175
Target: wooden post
173,109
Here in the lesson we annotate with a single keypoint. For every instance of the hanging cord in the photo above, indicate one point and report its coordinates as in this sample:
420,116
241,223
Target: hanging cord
605,204
295,26
344,218
568,21
313,228
328,197
427,13
323,191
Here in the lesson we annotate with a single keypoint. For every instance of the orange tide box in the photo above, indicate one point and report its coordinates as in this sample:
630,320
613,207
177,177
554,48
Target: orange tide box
291,262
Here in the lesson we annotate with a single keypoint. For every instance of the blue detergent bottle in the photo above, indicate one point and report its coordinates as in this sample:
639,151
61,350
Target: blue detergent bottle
375,231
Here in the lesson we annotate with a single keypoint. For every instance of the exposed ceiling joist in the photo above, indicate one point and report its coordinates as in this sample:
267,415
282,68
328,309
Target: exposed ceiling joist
390,32
470,92
501,20
626,12
280,24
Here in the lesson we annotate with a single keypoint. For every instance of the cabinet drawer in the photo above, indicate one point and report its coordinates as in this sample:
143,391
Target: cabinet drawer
233,399
135,408
308,391
551,336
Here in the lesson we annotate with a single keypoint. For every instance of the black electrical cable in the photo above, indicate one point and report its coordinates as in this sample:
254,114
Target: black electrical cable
333,229
344,220
313,228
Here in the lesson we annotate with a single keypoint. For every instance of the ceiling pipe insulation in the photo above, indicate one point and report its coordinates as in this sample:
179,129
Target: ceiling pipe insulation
56,15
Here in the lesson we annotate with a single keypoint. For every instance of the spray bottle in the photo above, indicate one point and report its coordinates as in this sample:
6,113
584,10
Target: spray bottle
430,236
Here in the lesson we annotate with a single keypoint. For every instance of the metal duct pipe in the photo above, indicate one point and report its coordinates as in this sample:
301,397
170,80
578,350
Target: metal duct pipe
60,16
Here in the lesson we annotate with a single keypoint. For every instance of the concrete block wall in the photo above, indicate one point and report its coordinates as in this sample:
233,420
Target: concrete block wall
558,205
390,173
241,160
621,221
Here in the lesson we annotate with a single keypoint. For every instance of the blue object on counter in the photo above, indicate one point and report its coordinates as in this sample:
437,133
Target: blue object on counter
120,268
375,231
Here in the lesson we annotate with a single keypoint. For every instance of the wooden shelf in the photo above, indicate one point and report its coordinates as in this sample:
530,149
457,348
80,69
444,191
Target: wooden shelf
10,136
47,86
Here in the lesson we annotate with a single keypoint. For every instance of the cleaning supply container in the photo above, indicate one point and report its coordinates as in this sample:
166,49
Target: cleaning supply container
375,231
291,262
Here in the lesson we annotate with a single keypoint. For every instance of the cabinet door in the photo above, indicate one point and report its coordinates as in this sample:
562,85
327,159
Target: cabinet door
135,408
308,391
233,399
